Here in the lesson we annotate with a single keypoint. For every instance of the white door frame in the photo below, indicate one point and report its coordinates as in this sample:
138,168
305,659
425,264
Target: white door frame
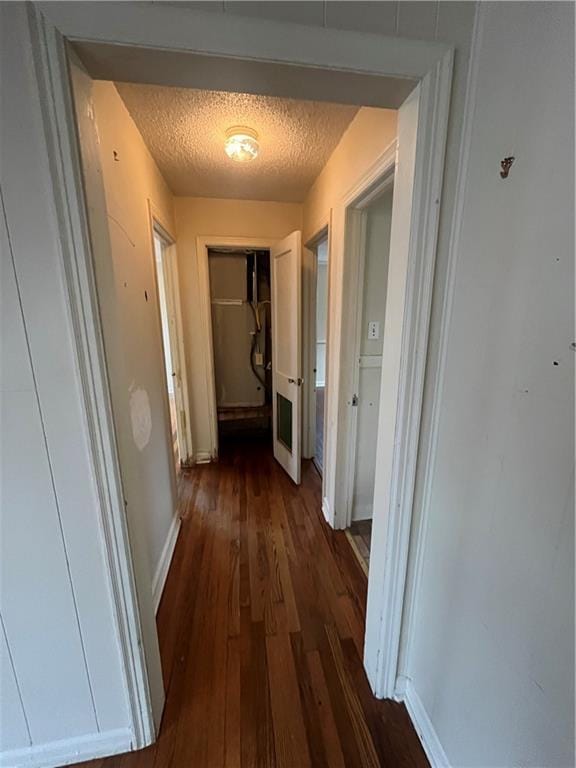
177,353
309,294
203,243
230,40
365,193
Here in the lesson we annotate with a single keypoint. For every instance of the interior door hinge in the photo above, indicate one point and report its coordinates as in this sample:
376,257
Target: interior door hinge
354,400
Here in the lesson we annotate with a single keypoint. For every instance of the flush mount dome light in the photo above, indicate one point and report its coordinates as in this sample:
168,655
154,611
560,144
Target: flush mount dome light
241,144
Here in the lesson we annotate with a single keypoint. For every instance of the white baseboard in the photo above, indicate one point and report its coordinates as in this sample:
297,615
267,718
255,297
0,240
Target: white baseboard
66,751
326,510
164,562
424,728
202,457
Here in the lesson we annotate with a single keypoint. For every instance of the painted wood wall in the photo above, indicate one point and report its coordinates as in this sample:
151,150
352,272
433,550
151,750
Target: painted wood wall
62,682
492,660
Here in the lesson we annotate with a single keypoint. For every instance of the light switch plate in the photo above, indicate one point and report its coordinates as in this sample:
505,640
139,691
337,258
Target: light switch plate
259,358
373,330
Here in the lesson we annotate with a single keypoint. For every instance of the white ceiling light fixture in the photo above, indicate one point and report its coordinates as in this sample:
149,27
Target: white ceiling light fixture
241,144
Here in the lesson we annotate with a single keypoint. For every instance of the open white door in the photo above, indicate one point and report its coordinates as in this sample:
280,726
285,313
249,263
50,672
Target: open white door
174,314
286,268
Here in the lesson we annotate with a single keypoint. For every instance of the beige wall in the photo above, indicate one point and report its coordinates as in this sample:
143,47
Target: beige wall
127,287
196,217
371,131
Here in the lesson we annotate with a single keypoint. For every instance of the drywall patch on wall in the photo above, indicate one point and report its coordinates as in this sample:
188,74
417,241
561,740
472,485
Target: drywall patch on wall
140,417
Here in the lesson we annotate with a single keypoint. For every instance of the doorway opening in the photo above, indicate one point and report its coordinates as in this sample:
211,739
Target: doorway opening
415,227
369,223
166,271
160,246
240,301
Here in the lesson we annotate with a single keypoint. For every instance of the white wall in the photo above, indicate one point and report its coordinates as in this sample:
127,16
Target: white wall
62,682
321,319
378,221
128,297
493,654
195,217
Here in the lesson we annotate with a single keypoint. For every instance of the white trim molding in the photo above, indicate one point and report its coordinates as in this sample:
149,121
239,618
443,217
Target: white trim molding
343,272
326,509
159,580
424,728
51,68
436,373
172,290
67,751
202,457
387,578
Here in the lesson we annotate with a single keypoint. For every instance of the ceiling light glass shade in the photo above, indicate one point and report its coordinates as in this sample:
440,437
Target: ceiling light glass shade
241,144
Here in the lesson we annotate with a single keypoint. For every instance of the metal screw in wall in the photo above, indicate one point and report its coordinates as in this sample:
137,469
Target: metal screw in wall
505,165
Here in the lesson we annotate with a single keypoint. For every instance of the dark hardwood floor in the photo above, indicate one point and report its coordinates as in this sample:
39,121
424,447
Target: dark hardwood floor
261,629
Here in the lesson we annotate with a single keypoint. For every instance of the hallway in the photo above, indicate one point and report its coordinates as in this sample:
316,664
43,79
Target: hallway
261,628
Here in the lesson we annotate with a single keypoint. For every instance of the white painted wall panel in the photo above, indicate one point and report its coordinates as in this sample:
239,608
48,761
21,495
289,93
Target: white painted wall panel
35,589
417,19
309,12
493,654
13,726
56,599
379,18
35,583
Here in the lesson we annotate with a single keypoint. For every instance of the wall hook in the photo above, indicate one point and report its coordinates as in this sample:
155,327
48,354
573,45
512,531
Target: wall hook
506,164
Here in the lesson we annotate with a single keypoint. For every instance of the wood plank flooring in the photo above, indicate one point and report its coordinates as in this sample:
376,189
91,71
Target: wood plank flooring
261,629
361,533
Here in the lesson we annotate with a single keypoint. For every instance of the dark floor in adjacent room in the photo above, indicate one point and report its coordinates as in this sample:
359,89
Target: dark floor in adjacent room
261,631
361,533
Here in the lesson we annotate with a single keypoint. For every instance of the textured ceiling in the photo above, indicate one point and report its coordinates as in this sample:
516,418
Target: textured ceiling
185,130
